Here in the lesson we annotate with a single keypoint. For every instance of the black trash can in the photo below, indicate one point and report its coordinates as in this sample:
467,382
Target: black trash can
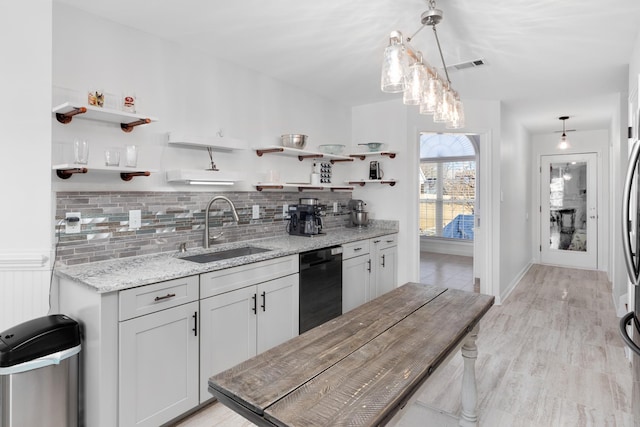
39,373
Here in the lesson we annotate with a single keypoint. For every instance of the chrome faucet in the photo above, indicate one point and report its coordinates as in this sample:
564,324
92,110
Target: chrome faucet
206,217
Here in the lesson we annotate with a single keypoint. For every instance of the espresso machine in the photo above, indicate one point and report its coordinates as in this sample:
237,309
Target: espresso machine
305,218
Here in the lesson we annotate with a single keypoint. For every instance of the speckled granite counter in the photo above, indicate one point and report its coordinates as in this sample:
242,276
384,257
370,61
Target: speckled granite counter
116,275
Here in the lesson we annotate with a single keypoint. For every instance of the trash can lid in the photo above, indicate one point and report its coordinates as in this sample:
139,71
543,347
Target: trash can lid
38,337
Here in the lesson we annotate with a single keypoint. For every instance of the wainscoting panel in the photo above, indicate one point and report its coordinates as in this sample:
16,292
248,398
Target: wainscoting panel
24,289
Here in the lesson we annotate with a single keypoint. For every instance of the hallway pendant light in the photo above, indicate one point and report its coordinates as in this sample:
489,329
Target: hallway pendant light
563,144
405,70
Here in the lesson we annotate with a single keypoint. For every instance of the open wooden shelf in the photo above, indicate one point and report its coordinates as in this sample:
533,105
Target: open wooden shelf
67,111
66,171
300,154
217,142
363,155
301,186
362,182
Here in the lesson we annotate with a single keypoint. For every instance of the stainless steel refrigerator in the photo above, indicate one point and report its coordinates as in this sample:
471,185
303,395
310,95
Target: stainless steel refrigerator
630,323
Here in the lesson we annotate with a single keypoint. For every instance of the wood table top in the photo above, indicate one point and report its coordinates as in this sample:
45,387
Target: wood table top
357,369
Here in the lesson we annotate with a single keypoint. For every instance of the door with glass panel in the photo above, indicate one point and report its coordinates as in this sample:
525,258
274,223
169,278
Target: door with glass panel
569,210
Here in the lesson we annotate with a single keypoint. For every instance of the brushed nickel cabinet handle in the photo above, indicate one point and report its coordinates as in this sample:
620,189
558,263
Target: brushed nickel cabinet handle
167,296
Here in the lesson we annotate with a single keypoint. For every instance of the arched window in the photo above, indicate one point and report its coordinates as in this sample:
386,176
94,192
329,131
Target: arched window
447,185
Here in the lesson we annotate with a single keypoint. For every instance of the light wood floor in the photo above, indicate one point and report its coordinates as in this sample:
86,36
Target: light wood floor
549,356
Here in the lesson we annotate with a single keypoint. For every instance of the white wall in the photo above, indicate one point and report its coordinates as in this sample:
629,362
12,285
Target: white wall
387,122
399,126
25,120
596,141
515,202
188,92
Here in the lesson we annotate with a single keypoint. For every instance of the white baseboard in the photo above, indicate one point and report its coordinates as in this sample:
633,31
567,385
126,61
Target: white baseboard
447,247
504,295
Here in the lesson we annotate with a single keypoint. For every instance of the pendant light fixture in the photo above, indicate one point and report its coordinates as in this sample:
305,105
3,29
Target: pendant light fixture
405,70
563,144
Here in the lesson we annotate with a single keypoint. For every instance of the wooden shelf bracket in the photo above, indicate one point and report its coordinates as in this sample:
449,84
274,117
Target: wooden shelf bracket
68,173
65,118
128,176
128,127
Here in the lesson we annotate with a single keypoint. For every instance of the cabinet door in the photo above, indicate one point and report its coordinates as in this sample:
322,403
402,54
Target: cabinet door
386,270
278,305
227,333
356,276
158,357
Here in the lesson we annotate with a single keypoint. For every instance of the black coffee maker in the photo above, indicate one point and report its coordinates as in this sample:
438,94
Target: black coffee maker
305,218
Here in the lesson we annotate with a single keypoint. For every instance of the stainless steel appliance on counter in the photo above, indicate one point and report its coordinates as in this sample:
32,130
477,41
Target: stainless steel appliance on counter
631,243
358,216
320,286
305,218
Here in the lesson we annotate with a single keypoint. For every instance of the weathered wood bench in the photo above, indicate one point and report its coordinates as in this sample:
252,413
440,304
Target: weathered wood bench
363,367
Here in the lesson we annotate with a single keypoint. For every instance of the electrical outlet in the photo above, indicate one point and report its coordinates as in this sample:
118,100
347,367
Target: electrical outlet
285,210
335,207
135,219
73,223
255,212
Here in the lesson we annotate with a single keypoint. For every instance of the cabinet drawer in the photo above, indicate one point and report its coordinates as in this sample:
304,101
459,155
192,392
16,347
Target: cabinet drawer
148,299
384,242
218,282
354,249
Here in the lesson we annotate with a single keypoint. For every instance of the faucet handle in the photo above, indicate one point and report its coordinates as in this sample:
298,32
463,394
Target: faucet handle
183,247
217,236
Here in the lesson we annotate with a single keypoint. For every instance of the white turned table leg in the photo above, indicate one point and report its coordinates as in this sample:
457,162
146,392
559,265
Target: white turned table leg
469,398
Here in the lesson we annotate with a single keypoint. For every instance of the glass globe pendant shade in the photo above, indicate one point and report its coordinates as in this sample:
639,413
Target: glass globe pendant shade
414,91
456,121
564,142
443,111
432,94
394,66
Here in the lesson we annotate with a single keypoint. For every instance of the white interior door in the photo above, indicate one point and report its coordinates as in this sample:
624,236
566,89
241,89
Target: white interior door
569,210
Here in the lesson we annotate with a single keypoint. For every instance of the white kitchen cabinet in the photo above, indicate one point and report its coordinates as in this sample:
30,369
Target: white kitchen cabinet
356,278
384,254
158,366
369,269
356,274
249,312
157,352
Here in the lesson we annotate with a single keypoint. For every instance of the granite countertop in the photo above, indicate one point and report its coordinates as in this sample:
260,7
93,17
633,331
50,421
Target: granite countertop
125,273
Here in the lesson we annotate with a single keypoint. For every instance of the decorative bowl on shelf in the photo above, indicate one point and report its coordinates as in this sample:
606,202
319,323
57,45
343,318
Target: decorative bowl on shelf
331,148
294,140
373,146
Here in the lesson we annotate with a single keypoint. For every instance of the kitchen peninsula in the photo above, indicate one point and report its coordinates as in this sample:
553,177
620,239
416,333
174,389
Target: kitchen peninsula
362,368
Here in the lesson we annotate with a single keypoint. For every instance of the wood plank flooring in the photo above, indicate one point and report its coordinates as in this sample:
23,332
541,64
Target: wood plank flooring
549,356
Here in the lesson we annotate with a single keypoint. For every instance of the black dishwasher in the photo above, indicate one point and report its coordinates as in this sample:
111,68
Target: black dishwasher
320,286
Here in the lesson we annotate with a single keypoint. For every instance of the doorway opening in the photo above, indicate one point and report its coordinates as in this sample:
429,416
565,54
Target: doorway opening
448,199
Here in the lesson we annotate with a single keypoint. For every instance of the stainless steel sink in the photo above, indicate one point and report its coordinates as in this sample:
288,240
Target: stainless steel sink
229,253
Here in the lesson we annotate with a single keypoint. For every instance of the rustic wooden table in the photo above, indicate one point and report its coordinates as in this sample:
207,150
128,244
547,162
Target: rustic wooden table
361,368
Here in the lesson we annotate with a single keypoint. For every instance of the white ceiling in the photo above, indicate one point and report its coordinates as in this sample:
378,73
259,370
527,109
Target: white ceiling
544,58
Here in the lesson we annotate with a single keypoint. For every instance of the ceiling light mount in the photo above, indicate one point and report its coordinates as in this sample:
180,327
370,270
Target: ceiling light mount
432,16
